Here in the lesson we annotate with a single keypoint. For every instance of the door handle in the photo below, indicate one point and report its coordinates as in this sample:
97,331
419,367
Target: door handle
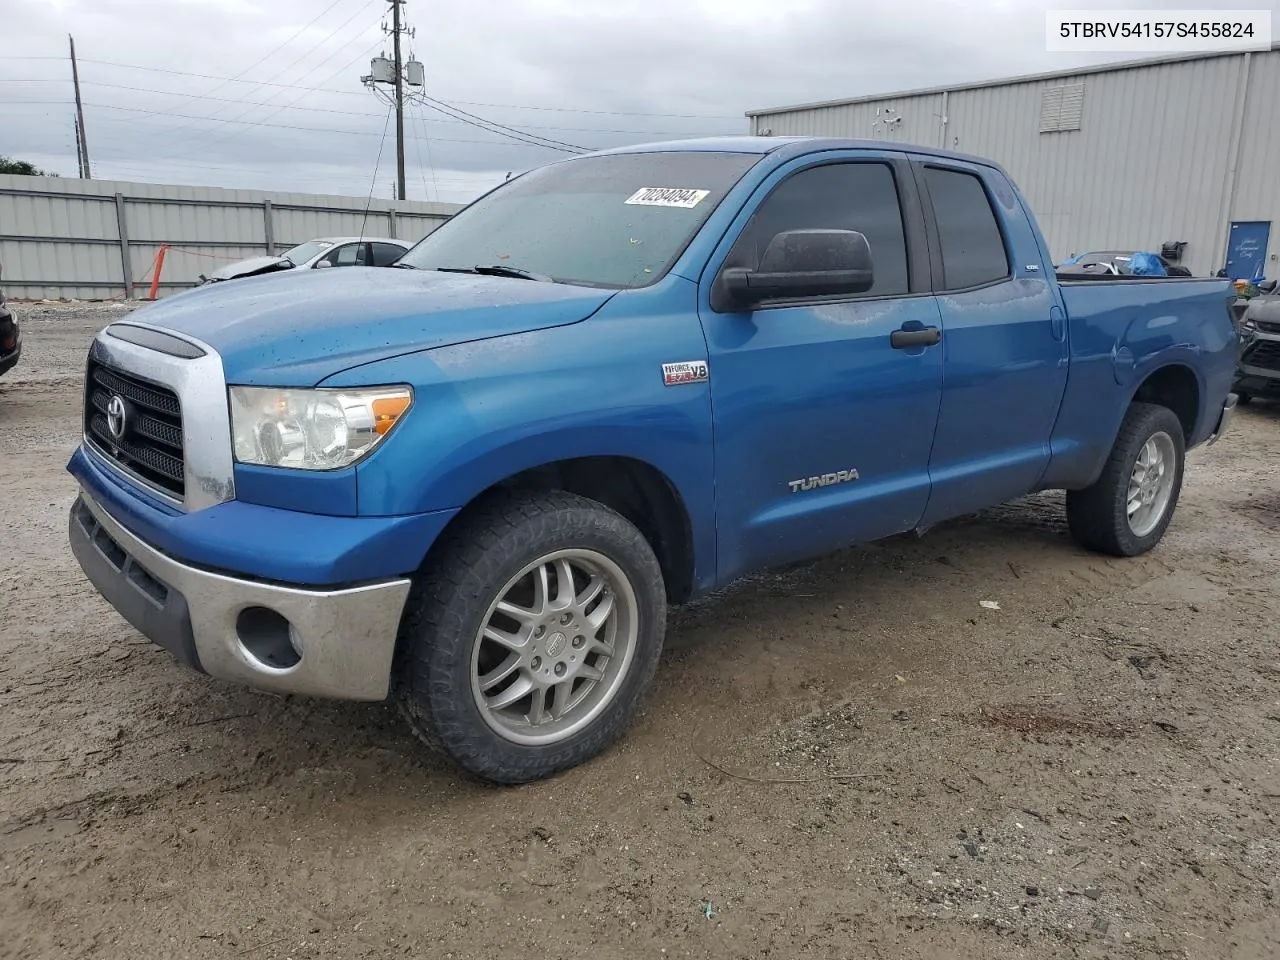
1057,323
925,337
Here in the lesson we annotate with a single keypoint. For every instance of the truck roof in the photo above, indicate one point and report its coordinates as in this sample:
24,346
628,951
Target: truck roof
790,146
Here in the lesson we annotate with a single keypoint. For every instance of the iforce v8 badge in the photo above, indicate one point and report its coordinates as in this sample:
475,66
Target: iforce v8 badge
687,371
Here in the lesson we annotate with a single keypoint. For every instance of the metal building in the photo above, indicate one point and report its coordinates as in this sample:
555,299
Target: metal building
1127,156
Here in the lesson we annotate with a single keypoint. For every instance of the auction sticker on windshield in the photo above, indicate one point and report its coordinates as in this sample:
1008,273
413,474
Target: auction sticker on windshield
668,197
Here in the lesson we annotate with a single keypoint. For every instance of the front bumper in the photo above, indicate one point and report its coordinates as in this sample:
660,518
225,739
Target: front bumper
335,642
1224,418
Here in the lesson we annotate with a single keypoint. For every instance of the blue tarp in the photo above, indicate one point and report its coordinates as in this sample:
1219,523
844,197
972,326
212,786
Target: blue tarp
1147,265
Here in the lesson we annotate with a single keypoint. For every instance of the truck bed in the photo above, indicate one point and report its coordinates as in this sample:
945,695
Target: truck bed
1120,331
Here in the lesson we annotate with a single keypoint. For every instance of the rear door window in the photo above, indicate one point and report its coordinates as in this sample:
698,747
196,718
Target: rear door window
973,251
385,254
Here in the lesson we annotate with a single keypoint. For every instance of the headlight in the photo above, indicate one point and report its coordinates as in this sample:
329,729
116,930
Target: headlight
312,429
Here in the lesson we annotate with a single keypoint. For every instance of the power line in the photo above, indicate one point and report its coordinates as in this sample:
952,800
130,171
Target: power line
117,163
247,70
417,152
604,113
351,93
283,126
467,117
508,133
281,72
376,164
283,107
287,127
345,113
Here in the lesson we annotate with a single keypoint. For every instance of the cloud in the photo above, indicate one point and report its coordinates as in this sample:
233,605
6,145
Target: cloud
297,118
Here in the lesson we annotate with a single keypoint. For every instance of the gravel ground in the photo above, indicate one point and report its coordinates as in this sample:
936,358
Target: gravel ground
847,758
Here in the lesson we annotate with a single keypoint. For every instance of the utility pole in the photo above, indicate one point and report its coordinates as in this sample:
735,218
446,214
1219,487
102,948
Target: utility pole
396,74
79,154
82,138
396,31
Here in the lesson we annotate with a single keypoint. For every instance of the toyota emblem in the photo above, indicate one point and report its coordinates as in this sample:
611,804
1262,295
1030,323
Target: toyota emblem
117,416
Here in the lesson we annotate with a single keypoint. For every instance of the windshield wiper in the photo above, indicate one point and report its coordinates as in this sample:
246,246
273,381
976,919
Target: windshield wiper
498,270
404,266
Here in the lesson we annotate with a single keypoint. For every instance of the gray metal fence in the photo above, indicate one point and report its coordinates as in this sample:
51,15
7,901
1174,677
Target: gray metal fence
95,239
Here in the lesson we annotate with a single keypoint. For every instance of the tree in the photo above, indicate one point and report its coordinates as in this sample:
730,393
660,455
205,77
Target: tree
9,165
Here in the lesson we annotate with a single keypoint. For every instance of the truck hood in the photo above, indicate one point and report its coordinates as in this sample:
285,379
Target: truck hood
297,329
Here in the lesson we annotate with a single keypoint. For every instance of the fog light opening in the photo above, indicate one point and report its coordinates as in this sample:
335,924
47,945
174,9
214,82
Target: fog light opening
267,637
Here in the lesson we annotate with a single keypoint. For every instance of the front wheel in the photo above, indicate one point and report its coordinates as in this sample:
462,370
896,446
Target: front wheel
1127,510
529,644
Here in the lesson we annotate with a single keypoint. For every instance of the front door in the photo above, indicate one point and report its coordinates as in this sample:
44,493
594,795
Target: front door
1247,249
822,426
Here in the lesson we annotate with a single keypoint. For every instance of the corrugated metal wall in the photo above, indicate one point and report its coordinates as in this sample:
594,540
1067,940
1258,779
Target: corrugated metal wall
920,121
62,237
1257,184
1151,162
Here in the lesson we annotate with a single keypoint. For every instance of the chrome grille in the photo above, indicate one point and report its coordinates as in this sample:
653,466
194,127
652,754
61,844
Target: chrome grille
151,445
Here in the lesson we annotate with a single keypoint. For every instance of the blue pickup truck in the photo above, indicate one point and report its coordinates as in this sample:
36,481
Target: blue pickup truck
475,483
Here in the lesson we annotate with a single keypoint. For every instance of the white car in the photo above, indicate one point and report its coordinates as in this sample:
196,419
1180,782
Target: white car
324,252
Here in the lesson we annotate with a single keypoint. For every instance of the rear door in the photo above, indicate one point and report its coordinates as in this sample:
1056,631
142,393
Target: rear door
822,426
1005,349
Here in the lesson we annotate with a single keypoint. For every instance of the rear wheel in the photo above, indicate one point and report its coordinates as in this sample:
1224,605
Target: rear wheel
1127,510
529,645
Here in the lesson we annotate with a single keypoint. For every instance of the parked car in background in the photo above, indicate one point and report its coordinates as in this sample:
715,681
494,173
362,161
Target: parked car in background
618,381
1258,368
324,252
10,335
1117,263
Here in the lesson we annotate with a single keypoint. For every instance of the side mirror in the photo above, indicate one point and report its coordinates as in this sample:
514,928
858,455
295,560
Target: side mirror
1268,286
800,263
322,263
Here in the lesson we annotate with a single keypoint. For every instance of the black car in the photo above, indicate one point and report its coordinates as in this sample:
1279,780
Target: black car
1258,367
10,336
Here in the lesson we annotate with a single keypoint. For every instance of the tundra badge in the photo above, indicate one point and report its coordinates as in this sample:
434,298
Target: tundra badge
687,371
826,480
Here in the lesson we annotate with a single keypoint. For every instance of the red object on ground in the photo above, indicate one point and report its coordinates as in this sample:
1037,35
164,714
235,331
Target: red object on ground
155,275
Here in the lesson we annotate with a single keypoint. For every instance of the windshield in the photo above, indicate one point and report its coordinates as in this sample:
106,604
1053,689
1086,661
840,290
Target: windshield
305,251
612,221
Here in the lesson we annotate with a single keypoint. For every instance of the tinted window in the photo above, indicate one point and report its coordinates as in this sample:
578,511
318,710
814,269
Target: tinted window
385,254
610,221
838,196
972,247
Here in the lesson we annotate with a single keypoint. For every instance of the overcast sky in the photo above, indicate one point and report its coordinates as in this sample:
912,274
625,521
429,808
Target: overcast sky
266,93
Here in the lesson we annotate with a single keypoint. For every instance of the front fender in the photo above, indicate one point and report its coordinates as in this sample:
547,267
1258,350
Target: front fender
487,410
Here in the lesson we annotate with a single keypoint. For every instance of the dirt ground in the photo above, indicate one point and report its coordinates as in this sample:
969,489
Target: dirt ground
852,758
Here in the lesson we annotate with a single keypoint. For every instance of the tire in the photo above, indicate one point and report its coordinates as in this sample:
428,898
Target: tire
1099,516
443,661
